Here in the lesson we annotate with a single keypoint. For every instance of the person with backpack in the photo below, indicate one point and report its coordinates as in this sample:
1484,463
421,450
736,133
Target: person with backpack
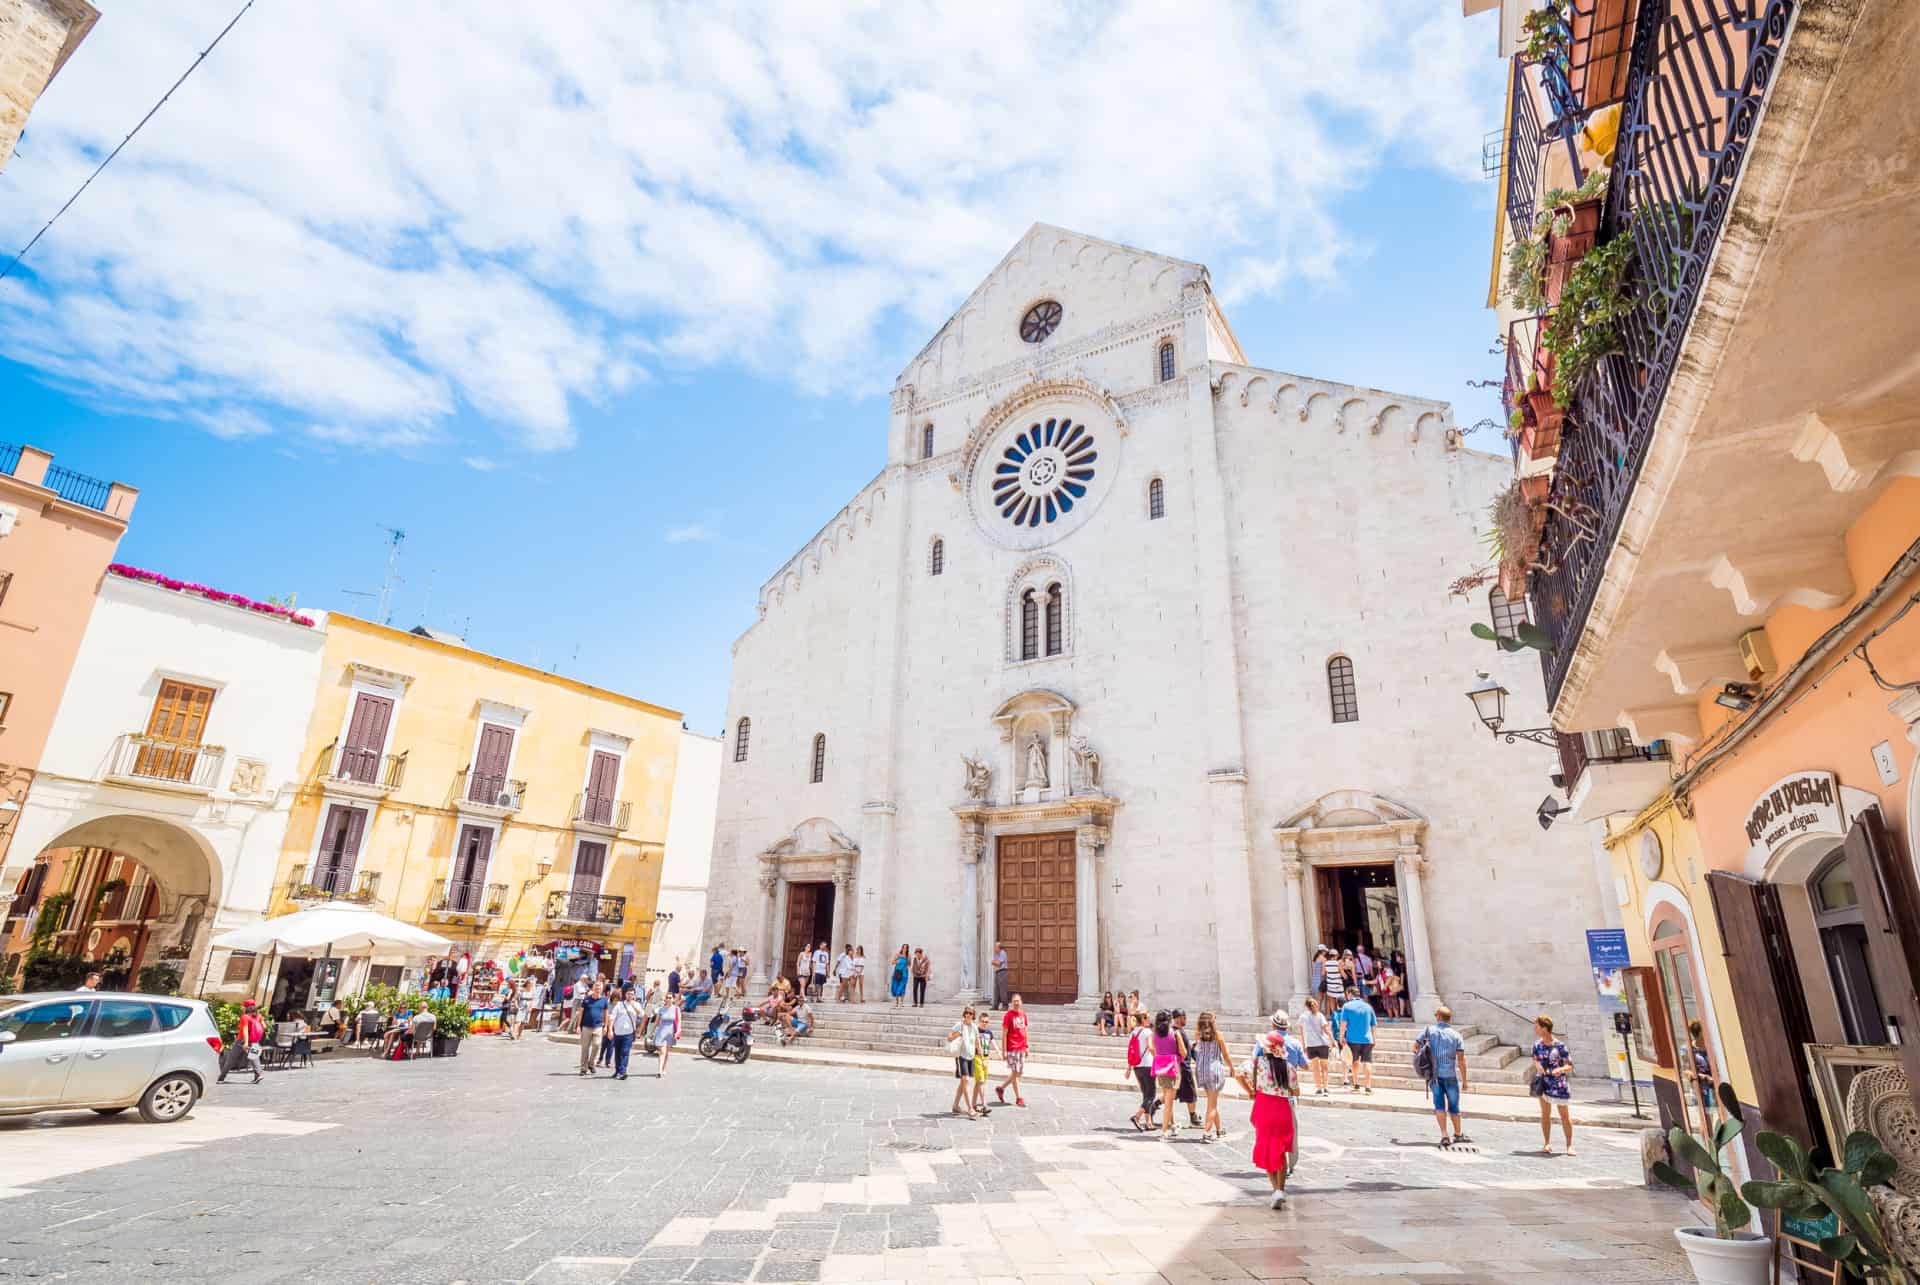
1271,1081
1440,1058
1140,1066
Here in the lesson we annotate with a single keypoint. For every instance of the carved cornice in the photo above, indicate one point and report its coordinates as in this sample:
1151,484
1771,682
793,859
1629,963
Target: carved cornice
1073,811
1143,330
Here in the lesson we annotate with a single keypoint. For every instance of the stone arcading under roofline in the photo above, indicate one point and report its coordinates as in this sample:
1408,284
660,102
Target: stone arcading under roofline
1255,387
854,514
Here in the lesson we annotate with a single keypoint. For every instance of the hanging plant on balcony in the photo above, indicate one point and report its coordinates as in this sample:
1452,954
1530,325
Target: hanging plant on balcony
1546,30
1513,537
1526,273
1516,422
1589,322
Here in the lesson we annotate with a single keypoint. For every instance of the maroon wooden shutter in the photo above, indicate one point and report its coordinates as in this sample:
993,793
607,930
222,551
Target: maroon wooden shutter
1773,1007
1891,902
366,735
602,780
490,764
589,863
476,848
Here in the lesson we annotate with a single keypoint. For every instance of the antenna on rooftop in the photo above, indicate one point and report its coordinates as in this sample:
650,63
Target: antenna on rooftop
395,536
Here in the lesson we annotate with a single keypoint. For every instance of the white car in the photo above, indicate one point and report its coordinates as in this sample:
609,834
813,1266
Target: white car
105,1052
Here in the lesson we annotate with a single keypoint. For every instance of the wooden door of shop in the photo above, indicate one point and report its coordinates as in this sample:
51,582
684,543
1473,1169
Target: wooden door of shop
1037,916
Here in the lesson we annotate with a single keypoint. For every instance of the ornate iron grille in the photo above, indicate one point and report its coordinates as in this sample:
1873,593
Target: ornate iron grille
1698,77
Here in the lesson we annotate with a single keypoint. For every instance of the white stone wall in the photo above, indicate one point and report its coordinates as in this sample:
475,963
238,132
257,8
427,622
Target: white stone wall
223,841
1285,540
689,854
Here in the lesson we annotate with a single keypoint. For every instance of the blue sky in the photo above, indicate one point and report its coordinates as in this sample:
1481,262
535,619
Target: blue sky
604,318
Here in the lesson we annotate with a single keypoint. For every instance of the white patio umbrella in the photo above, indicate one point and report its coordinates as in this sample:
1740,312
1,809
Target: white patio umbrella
333,924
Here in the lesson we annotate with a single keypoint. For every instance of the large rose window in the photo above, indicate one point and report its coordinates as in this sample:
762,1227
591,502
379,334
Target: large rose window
1043,472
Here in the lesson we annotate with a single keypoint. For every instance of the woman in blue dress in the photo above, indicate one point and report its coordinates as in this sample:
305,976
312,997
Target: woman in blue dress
897,983
1552,1065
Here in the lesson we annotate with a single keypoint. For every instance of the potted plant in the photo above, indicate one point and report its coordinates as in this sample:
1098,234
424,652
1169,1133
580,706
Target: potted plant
451,1021
1589,322
1569,224
1726,1253
1801,1191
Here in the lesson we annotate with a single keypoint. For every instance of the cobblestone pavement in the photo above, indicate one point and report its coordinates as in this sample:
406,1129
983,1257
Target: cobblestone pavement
503,1165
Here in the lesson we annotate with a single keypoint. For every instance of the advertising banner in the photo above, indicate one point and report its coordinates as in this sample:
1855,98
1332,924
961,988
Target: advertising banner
1607,954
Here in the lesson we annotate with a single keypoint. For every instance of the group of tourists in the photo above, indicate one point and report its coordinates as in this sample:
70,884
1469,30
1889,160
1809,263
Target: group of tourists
1336,976
971,1043
609,1019
848,971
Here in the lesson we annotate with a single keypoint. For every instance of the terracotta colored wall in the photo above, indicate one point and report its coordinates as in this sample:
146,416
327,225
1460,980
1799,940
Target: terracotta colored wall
57,554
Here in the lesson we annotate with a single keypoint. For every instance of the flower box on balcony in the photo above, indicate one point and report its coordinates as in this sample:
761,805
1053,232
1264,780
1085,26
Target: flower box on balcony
1570,235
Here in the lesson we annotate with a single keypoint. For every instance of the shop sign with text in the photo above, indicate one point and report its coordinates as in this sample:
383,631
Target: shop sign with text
1804,803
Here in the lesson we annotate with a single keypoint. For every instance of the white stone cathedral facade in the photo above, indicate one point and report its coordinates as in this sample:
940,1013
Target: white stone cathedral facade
1140,659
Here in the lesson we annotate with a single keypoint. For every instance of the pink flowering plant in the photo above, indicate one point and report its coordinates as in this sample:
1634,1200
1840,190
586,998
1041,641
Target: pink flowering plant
213,595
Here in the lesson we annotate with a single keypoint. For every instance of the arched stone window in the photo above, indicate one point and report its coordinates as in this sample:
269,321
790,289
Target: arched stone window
926,442
1039,610
1166,360
937,557
1156,500
819,770
1340,690
740,732
1508,613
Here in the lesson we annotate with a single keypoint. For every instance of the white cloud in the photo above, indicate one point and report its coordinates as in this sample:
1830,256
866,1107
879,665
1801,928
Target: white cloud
359,220
481,464
694,533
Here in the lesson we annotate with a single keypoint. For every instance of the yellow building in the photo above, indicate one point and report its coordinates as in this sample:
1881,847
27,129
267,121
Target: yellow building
521,814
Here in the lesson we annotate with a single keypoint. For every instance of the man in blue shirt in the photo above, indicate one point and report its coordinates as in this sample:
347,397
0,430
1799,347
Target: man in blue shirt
1449,1053
1356,1027
716,962
593,1015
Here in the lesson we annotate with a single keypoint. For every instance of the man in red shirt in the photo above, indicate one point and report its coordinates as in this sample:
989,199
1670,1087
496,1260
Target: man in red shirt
248,1033
1014,1045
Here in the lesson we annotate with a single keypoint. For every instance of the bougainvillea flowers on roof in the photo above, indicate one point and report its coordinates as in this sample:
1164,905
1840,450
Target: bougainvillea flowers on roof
213,595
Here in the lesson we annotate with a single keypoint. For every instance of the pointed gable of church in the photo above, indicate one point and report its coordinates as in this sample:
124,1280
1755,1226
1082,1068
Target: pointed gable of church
1054,289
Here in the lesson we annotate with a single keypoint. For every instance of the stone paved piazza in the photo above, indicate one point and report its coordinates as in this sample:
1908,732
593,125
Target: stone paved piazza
502,1165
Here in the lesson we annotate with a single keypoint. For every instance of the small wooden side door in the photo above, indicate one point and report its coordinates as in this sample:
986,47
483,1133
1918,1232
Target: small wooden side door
803,904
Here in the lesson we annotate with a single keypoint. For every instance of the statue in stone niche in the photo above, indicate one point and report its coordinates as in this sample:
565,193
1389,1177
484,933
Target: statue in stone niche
1087,760
979,777
1036,773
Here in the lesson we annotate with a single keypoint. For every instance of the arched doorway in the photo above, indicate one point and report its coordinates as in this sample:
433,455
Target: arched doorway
128,890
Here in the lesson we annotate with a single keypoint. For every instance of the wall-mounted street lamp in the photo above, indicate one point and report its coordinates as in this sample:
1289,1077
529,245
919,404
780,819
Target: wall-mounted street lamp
1490,703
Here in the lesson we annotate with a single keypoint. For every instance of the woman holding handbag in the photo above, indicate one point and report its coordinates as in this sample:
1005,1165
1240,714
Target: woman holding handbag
1273,1086
1167,1048
897,984
962,1042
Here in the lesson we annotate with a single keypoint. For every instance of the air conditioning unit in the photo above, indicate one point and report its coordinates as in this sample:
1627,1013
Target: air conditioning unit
504,801
1756,653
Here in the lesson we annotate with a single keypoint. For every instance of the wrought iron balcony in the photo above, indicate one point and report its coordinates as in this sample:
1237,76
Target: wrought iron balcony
369,770
333,883
1584,45
488,791
585,908
601,812
1613,745
469,897
153,760
1697,80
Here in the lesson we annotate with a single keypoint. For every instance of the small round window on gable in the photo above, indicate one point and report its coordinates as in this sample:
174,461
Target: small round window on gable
1041,320
1043,471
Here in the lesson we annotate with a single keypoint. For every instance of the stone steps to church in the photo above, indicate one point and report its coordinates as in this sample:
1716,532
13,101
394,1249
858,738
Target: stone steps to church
1496,1071
1069,1036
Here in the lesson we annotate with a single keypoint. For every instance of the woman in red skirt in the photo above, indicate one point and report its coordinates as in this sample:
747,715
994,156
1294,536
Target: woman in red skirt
1271,1083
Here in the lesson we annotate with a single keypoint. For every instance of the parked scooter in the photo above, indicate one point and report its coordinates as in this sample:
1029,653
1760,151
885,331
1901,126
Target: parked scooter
729,1036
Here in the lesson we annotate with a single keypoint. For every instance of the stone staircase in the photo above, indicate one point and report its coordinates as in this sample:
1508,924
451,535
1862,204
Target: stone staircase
1065,1037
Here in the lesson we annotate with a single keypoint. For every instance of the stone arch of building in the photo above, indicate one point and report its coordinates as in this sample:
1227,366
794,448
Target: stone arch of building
1357,827
183,865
